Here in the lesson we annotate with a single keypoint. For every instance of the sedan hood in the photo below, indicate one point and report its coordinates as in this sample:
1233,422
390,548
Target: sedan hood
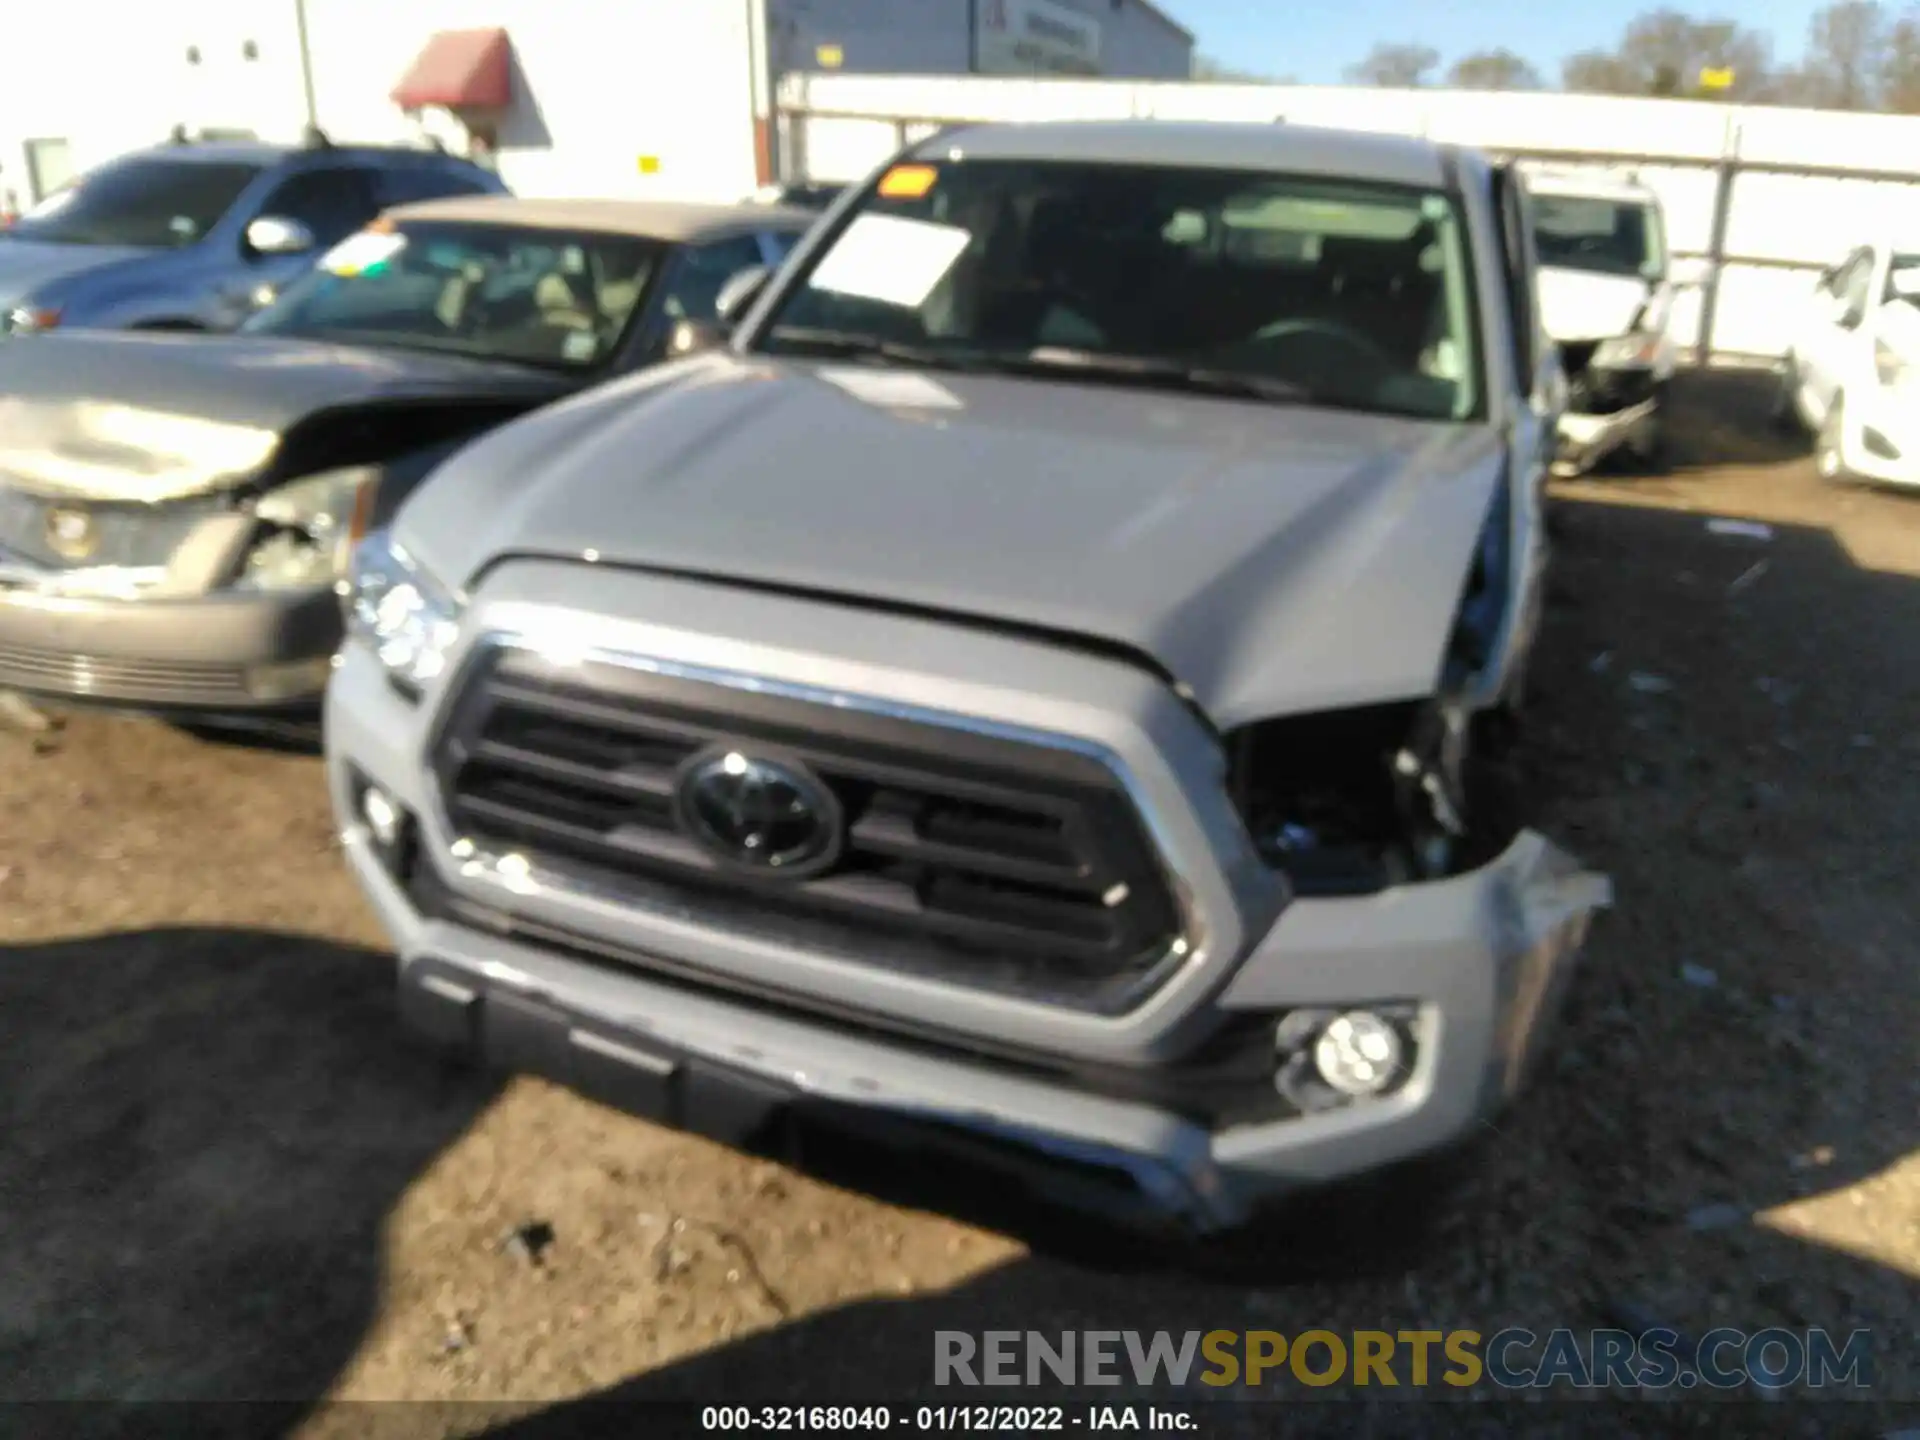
26,265
1273,558
1582,305
156,417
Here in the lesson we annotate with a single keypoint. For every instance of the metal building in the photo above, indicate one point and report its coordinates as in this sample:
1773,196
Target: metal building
572,97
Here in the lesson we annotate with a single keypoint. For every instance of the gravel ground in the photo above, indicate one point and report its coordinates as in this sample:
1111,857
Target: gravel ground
223,1173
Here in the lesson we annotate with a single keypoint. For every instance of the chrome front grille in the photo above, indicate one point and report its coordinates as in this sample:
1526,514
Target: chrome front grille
979,860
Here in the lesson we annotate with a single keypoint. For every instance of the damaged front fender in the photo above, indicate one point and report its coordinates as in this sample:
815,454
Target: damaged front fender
1484,955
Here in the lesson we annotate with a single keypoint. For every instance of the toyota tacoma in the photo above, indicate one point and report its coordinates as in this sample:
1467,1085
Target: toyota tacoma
1034,684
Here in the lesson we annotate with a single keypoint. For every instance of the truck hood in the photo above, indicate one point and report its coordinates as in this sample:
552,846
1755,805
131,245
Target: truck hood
26,265
1582,305
1274,559
126,416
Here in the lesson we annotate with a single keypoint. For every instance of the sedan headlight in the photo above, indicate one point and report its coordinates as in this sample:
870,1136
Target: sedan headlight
310,528
1627,352
407,616
24,319
1889,364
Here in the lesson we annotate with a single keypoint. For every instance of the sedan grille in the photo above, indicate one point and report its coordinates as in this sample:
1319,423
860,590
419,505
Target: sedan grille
978,860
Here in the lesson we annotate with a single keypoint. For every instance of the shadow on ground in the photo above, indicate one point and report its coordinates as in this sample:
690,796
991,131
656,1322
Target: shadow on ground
204,1133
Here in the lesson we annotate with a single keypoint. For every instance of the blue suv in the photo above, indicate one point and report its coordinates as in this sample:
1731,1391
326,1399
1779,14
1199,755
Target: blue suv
196,235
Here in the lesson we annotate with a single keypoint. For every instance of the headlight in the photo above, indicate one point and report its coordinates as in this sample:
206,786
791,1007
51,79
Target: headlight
23,319
1890,366
409,618
1627,352
311,526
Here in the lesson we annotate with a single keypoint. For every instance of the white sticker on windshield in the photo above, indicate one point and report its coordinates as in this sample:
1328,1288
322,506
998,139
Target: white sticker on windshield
580,345
358,253
890,259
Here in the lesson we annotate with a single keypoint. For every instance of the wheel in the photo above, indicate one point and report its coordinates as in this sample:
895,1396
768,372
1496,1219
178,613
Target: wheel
1650,446
1785,410
1828,455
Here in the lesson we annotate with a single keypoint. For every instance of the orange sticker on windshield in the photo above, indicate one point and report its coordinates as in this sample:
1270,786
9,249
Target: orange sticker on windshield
908,182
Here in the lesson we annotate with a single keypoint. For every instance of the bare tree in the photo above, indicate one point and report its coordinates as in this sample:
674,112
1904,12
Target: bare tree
1493,70
1596,72
1846,44
1395,67
1665,52
1208,69
1900,66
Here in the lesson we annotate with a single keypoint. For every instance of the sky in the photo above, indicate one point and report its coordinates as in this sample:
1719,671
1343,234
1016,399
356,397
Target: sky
1314,44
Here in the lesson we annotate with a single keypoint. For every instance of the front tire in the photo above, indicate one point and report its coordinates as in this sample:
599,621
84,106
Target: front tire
1785,410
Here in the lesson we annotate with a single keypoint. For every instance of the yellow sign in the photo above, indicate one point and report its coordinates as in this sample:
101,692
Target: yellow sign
908,182
829,56
1711,79
649,164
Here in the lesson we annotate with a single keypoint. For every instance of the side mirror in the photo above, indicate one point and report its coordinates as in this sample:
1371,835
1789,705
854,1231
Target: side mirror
690,337
277,235
736,297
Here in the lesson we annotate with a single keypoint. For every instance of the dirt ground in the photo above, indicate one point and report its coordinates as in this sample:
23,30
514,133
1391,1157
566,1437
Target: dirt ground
224,1173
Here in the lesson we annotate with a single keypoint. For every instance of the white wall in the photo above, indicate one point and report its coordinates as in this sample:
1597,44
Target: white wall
1811,220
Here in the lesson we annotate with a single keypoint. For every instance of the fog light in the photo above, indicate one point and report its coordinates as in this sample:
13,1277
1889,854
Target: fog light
383,818
1359,1053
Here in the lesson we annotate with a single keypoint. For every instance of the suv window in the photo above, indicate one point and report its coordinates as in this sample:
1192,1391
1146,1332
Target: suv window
701,271
401,185
144,200
332,203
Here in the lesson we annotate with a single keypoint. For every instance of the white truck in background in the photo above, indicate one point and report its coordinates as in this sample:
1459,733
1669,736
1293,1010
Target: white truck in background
1607,290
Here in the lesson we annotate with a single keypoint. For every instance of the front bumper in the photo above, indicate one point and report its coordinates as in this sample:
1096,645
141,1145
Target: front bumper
1482,956
226,653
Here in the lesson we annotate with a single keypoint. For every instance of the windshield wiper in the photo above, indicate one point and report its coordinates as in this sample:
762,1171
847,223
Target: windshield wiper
1171,373
851,344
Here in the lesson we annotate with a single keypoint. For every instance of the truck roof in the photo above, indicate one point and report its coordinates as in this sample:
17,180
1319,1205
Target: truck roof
1591,183
1221,145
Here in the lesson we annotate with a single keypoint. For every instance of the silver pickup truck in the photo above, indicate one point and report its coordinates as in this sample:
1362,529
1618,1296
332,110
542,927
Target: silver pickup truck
1027,686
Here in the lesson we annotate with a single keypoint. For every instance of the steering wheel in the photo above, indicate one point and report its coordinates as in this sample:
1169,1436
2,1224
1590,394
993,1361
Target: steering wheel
1333,330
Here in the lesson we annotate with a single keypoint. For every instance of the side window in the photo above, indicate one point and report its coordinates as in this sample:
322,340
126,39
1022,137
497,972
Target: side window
1516,254
777,244
401,185
332,203
701,270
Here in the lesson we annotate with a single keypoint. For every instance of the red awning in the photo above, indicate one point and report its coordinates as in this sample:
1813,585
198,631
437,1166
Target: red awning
460,70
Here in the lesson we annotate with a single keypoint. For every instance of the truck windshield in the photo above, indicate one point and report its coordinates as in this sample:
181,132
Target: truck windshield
1608,237
497,292
1264,285
151,203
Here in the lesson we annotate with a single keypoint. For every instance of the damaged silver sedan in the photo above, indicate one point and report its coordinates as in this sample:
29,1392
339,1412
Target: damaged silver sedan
1037,687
